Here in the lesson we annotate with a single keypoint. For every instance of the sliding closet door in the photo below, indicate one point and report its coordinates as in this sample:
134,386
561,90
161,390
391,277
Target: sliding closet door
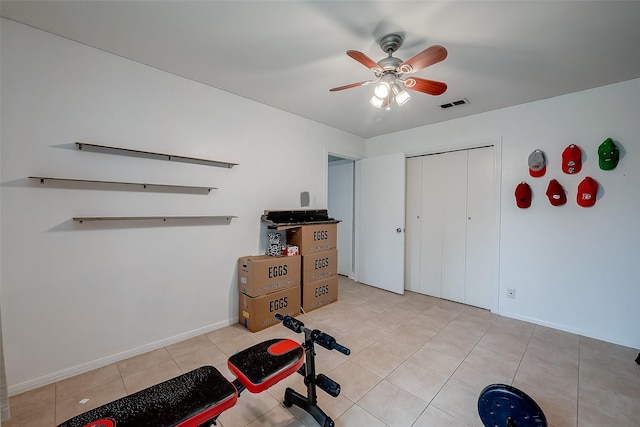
454,205
430,229
452,248
412,224
481,283
444,183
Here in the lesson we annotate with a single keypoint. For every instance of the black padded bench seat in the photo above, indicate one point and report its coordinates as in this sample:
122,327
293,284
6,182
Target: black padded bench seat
185,401
265,364
201,395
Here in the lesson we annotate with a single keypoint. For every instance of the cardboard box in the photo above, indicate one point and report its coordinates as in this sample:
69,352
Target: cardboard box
313,238
320,293
264,274
319,266
257,313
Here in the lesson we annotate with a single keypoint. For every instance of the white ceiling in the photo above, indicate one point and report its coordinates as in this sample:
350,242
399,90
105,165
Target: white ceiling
288,54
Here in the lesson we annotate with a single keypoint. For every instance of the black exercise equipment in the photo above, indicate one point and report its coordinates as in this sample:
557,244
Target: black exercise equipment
309,403
197,398
501,405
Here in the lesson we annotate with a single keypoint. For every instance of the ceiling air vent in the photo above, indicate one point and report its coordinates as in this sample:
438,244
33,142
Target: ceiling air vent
458,103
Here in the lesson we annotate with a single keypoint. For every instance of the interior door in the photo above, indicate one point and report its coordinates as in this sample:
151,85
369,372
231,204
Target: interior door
381,208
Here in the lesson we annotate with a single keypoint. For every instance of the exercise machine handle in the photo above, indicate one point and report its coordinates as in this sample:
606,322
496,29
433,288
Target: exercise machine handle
291,322
328,342
328,385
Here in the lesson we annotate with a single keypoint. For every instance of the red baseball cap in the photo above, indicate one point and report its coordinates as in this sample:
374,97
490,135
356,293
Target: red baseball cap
587,190
572,159
523,195
556,193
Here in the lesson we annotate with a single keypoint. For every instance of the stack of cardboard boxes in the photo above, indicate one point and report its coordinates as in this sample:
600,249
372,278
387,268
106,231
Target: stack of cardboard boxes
267,285
270,285
317,246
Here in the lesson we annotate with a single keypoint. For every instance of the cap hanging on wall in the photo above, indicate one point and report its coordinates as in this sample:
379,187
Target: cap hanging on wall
523,195
608,155
537,164
572,159
587,190
556,193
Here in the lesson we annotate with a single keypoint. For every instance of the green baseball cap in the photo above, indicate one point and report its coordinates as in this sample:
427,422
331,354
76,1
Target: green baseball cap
608,155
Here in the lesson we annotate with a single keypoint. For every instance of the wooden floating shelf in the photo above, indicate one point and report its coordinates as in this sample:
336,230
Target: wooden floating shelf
140,186
151,155
225,219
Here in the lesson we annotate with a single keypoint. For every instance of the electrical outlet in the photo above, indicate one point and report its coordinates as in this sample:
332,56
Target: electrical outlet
511,293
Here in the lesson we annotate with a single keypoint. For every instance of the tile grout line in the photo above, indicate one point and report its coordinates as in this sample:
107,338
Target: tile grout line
458,367
388,333
578,383
449,378
522,357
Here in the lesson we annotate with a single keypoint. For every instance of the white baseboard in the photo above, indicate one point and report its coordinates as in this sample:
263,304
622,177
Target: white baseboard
539,322
565,328
99,363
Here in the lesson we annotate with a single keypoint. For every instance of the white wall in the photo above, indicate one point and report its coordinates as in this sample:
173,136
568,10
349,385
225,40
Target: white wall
75,296
573,268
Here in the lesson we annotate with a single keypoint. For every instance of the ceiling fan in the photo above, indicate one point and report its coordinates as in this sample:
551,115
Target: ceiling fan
389,73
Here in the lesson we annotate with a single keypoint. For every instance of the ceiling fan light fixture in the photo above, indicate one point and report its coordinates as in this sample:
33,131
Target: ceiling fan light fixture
381,90
382,103
401,95
384,86
377,101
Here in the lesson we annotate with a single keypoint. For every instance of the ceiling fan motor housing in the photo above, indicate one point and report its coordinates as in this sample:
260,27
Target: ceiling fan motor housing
390,63
390,43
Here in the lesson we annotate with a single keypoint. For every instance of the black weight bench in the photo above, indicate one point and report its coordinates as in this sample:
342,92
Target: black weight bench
198,397
188,400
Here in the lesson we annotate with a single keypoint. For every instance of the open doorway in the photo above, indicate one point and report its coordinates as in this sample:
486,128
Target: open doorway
341,206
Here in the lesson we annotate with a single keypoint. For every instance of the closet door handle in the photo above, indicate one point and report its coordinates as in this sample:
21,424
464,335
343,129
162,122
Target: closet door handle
398,230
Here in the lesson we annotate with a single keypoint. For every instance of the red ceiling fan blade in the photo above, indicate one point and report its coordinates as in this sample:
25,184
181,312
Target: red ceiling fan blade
431,87
364,59
429,56
335,89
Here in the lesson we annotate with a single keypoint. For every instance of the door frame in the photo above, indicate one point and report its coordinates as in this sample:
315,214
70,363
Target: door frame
349,219
349,254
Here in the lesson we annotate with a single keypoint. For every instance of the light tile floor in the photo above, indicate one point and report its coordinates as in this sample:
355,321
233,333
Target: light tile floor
415,361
